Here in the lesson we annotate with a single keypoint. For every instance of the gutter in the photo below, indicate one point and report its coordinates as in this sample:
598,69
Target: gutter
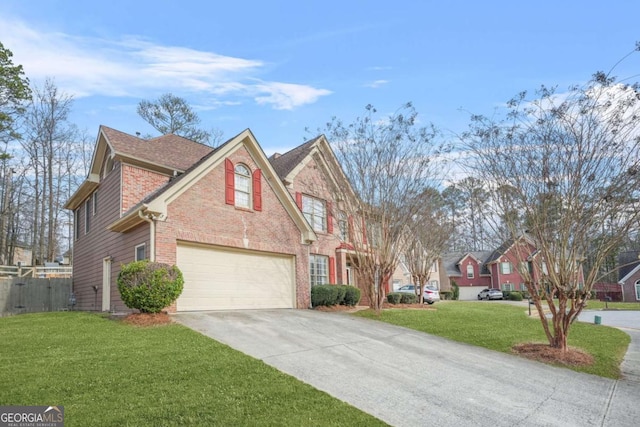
151,219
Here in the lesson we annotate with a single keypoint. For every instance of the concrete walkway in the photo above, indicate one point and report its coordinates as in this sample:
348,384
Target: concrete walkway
408,378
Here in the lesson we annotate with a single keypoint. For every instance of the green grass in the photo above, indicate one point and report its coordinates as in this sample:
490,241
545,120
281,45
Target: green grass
599,305
499,327
108,373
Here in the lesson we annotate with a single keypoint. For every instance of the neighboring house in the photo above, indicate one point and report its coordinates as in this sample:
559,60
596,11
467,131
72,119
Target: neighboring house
629,274
506,262
437,276
470,272
223,216
22,254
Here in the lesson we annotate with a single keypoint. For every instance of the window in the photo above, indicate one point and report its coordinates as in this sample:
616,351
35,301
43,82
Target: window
470,273
76,222
94,200
315,212
87,215
505,268
434,284
523,287
507,286
141,252
545,271
343,227
638,290
434,267
107,166
319,269
242,186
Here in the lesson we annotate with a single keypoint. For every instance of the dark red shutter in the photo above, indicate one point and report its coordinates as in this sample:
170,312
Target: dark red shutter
257,190
332,270
299,200
329,218
229,182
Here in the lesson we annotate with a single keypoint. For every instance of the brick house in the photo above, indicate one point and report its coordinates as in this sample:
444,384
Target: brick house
223,216
469,270
498,269
313,177
629,274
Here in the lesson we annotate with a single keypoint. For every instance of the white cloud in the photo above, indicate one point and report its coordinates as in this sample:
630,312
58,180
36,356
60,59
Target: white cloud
287,96
134,67
377,83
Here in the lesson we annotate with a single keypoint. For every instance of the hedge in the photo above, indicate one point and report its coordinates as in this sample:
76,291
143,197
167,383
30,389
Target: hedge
149,286
394,297
408,298
326,295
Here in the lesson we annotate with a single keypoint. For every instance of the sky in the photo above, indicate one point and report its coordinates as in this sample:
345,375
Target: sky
280,67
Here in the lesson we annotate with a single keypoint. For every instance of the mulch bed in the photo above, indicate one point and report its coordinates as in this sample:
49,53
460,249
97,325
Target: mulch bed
147,319
544,353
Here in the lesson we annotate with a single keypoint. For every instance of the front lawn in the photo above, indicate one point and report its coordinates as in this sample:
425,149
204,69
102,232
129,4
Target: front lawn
499,327
108,373
601,305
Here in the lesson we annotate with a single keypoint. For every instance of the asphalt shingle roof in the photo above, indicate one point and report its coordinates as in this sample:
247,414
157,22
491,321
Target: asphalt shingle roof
285,163
171,151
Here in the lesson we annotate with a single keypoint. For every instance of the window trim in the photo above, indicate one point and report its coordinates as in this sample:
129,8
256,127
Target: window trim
471,270
135,251
94,203
313,267
311,216
87,216
236,191
637,289
510,267
76,219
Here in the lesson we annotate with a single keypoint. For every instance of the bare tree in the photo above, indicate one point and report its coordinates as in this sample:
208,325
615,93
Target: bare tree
47,143
172,114
426,239
389,163
571,161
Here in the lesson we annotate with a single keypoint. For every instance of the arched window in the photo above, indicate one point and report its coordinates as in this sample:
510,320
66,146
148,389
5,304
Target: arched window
242,186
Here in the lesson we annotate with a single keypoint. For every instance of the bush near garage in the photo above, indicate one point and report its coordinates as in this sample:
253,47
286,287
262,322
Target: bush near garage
327,295
456,290
446,295
408,298
149,286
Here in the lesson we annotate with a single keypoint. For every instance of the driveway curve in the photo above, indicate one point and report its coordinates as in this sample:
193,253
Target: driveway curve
409,378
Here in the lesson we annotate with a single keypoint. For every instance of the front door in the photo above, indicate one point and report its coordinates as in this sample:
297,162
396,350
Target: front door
106,284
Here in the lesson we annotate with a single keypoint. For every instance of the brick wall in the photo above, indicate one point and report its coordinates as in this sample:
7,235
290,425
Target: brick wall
138,183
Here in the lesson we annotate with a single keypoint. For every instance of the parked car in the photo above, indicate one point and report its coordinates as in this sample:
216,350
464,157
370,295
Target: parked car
430,295
410,289
489,294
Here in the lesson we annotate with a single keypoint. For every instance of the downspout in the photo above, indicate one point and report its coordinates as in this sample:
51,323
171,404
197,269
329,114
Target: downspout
152,229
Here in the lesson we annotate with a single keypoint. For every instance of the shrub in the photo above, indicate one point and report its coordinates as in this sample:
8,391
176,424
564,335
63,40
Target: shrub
446,295
321,295
505,294
351,296
515,296
456,291
407,298
394,297
149,286
339,292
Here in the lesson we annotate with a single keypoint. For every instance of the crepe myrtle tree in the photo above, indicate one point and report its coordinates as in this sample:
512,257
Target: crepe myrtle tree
570,162
388,162
427,235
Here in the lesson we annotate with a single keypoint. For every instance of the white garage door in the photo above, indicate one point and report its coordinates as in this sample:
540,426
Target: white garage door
217,278
470,292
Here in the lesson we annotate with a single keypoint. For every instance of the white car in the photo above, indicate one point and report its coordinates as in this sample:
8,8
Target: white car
430,294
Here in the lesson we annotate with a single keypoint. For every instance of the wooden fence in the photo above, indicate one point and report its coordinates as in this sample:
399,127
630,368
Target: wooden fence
47,272
32,294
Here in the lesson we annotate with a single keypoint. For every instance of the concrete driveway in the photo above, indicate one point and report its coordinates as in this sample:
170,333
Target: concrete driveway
408,378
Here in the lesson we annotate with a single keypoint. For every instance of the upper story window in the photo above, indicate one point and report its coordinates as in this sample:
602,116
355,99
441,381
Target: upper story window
94,202
506,268
470,272
343,227
242,184
87,215
108,165
76,222
315,212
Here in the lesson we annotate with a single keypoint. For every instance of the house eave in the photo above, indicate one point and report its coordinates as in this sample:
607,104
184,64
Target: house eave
85,189
128,221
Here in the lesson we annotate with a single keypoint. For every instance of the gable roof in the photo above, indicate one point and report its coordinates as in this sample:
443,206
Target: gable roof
156,204
168,154
629,263
286,162
452,260
169,151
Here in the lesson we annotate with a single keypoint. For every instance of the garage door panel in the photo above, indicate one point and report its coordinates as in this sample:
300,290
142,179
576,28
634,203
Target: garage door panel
220,278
